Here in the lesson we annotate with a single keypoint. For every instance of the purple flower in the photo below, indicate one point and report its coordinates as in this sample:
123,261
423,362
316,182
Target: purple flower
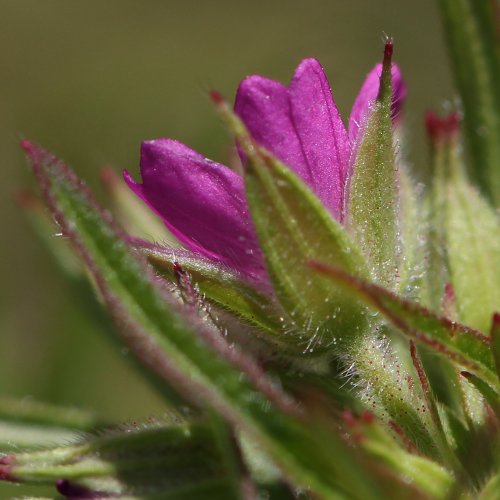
203,202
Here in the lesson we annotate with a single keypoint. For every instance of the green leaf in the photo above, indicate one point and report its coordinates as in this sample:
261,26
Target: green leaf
172,343
18,436
149,459
303,230
464,346
373,195
411,223
491,396
429,478
471,29
29,424
33,412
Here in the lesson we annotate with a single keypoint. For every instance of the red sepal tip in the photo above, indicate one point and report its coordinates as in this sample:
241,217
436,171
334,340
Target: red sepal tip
216,97
27,145
441,128
388,51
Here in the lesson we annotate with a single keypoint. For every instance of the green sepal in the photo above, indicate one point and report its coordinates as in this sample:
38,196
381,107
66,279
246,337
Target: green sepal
465,232
411,223
491,396
221,286
472,32
436,273
399,458
294,227
372,203
465,347
132,213
473,249
303,230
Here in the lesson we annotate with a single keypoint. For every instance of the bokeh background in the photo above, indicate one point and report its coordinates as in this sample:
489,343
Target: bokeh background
90,80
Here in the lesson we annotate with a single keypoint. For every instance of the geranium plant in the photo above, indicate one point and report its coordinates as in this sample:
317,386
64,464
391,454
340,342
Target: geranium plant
319,325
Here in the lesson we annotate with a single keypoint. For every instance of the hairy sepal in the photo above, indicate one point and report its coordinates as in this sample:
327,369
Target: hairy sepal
372,204
293,227
251,302
473,250
301,230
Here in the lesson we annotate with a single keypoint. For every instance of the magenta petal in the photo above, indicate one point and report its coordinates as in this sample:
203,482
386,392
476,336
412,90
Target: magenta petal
321,133
368,94
301,126
264,106
201,202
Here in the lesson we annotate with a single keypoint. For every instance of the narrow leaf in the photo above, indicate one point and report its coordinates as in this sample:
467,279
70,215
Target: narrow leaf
488,393
464,346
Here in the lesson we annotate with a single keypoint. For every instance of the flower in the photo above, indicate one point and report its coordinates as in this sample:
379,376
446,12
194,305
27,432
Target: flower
203,202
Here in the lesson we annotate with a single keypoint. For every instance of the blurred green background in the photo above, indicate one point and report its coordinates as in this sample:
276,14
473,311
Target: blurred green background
90,80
